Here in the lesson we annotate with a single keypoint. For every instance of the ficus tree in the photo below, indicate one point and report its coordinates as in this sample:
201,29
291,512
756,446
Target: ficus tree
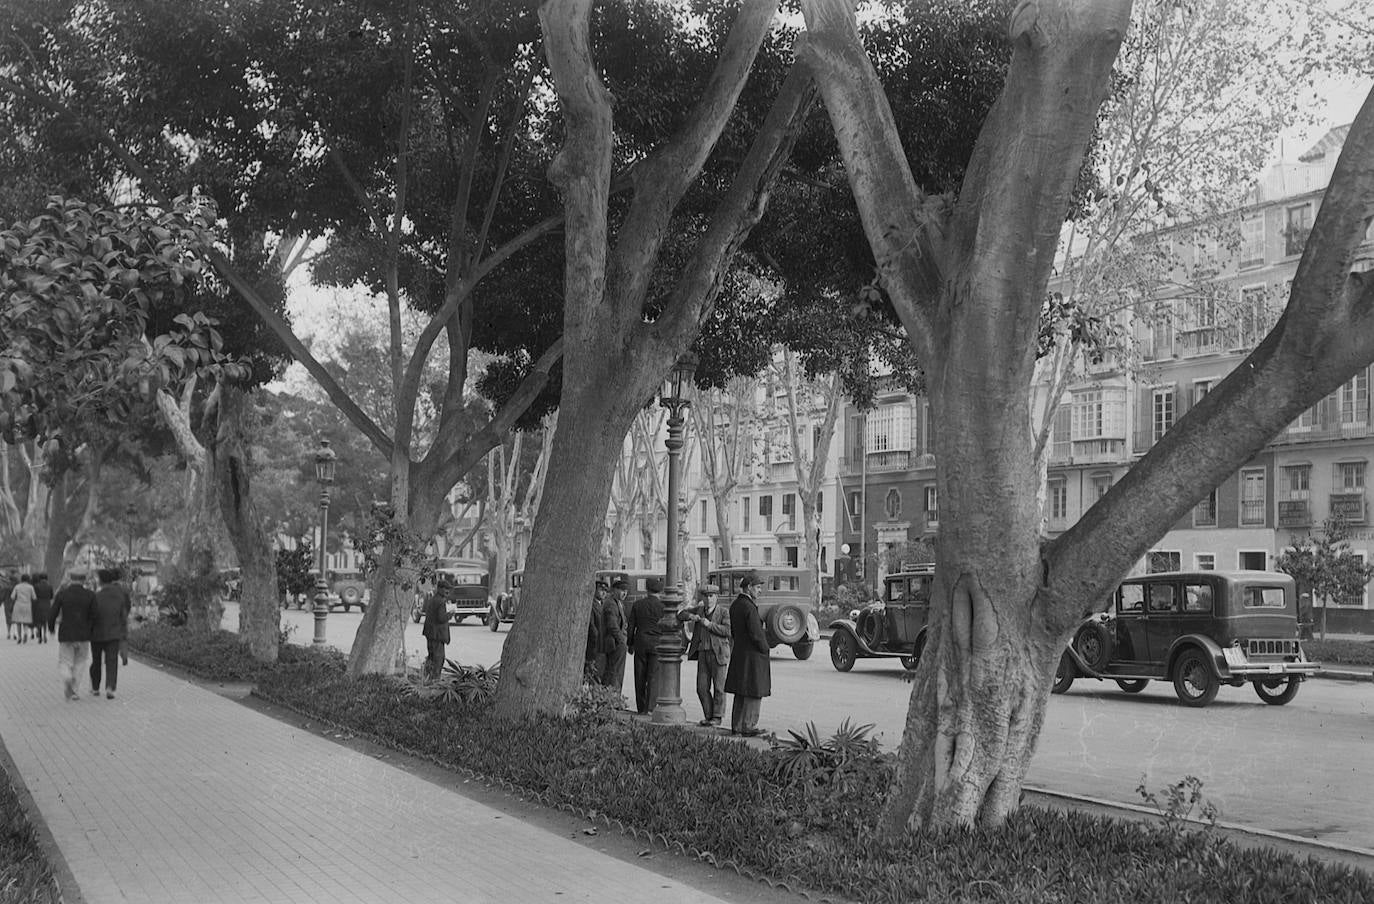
967,274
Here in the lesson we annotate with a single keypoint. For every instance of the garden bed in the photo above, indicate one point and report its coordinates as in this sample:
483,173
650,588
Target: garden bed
803,815
25,873
1340,652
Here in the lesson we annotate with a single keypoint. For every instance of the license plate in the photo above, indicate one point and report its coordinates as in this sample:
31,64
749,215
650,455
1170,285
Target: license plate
1276,669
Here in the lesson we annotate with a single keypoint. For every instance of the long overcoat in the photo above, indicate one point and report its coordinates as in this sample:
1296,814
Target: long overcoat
750,674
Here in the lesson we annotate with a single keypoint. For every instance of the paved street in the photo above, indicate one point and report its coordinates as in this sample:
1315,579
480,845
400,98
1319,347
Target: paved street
1296,769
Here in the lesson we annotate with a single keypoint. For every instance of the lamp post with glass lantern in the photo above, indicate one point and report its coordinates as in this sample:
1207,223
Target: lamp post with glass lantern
668,708
325,460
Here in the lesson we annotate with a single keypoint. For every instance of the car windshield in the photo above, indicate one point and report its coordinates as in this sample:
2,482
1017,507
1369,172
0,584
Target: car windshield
1263,597
449,577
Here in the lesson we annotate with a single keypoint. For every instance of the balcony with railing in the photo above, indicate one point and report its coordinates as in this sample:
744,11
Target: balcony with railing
892,460
1323,429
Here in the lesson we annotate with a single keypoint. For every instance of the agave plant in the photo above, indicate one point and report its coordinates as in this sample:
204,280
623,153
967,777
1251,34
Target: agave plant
808,758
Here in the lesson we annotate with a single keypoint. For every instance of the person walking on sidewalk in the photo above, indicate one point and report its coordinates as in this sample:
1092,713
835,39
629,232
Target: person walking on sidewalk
710,647
7,581
42,605
436,633
23,594
750,676
644,631
112,605
73,612
594,660
613,637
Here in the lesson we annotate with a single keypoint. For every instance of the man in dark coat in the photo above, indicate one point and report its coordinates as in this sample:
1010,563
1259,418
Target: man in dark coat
436,633
614,640
750,676
108,628
74,610
594,660
42,605
644,630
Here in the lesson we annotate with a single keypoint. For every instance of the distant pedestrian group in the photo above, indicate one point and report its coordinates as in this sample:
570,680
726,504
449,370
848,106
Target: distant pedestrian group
27,599
91,627
728,644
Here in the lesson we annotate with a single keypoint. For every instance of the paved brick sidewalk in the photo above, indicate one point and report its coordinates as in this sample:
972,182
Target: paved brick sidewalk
172,793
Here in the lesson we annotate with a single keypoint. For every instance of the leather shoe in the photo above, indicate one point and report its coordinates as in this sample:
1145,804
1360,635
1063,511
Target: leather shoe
751,732
705,722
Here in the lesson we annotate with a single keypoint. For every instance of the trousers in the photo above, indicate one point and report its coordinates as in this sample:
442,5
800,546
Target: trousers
107,650
711,685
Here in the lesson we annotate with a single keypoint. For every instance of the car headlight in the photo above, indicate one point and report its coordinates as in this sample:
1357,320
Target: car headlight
854,614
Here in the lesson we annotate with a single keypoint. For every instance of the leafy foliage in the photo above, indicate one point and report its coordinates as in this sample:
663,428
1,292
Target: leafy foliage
25,874
467,684
1346,652
1325,566
295,568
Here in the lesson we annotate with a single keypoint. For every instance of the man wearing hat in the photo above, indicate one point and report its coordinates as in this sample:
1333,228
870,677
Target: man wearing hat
749,676
74,609
710,647
644,631
594,661
613,638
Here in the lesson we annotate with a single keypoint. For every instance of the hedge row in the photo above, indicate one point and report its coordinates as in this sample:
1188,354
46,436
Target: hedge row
802,815
1343,652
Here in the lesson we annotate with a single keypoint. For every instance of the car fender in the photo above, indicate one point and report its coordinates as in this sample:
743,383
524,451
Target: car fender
1214,654
847,626
1079,664
813,628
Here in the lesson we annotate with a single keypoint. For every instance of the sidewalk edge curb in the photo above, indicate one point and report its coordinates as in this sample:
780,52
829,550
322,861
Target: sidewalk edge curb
68,891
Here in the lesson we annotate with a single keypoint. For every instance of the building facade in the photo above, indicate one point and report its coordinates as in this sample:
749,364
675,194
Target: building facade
1186,339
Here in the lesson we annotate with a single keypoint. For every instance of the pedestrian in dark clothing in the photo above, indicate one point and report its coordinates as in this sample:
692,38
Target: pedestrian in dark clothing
436,634
643,633
7,582
42,605
750,676
72,615
111,623
710,647
614,639
594,660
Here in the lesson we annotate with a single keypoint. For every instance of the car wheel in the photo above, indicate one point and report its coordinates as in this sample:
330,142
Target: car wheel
1277,691
494,621
1094,643
843,650
1063,675
802,649
911,662
1132,685
788,624
351,597
1194,681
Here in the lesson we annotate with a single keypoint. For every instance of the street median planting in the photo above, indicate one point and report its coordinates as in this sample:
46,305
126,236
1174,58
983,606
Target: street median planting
803,814
25,874
1340,652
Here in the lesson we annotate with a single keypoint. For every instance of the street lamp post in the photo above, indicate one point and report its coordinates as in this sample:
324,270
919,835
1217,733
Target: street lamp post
325,460
130,513
668,708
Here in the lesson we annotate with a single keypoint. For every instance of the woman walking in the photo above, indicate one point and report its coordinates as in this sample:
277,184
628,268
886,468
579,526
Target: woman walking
42,605
23,594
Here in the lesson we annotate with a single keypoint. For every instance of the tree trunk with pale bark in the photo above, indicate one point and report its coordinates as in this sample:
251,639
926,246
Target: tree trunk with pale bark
967,280
230,465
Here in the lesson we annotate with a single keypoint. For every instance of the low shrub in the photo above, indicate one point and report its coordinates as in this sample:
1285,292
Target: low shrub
1343,652
25,875
804,813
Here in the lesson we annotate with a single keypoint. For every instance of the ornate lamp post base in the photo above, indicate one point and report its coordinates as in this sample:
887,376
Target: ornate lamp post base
668,708
321,608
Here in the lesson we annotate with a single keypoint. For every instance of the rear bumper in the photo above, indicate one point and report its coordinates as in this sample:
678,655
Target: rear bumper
1235,664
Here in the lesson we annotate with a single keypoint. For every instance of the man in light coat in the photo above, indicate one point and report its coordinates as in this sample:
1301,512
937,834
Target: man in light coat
749,676
710,647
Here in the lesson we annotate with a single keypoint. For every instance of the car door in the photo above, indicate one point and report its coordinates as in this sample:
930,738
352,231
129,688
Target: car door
1132,647
1163,618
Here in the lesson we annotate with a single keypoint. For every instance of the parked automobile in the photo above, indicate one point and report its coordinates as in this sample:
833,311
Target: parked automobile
350,588
784,602
506,602
1197,629
465,588
893,627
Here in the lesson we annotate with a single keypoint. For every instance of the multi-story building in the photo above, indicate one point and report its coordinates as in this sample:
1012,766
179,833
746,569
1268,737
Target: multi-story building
1187,338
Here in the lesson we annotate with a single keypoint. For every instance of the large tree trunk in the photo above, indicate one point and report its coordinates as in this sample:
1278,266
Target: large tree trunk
229,456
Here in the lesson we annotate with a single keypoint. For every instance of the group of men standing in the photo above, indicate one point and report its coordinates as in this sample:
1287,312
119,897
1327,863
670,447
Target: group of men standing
728,644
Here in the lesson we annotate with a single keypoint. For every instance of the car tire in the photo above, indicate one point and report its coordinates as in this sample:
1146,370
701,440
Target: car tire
1194,681
803,649
911,662
1094,644
844,649
1132,685
351,597
1064,674
787,624
494,621
1277,691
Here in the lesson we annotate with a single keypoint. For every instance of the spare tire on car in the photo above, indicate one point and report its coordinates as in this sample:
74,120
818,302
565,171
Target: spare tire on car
787,624
1093,643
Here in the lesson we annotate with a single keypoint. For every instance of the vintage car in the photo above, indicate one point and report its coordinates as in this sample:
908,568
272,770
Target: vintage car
784,602
506,602
464,586
348,589
893,627
1198,629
